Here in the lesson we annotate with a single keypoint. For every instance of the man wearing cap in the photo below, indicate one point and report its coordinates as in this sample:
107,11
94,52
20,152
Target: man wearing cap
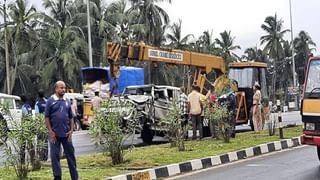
256,108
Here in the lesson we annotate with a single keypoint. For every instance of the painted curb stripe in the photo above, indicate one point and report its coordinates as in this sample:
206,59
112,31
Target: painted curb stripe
224,158
185,167
295,142
206,162
162,172
284,144
173,169
242,154
271,147
256,151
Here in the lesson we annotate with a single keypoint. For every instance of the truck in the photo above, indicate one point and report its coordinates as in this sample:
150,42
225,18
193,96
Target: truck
99,79
245,74
310,103
203,64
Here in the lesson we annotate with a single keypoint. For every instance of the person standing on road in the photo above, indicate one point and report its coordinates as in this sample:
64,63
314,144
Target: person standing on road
195,109
183,105
39,108
58,117
96,101
256,108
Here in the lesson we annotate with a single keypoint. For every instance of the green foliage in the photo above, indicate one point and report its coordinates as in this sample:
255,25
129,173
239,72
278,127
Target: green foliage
220,116
110,128
20,144
172,124
96,166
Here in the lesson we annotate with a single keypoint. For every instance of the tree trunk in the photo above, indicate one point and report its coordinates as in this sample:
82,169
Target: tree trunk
117,155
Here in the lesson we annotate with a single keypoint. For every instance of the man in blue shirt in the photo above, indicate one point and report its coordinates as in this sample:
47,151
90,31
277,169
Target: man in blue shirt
58,116
26,108
41,103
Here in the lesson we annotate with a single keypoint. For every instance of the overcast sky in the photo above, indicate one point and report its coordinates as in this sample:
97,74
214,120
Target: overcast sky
242,17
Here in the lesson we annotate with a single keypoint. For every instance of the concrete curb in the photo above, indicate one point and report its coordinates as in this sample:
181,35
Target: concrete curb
207,162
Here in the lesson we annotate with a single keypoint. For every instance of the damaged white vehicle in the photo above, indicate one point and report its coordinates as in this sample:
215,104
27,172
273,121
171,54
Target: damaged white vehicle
152,103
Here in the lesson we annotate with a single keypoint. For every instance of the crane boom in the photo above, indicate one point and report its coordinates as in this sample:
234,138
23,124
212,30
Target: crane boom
204,63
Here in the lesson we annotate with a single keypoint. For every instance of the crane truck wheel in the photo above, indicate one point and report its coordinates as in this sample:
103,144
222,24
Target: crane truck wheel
318,151
147,133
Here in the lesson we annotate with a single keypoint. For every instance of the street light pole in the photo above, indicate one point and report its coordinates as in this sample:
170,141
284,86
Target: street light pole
292,49
6,47
293,62
89,33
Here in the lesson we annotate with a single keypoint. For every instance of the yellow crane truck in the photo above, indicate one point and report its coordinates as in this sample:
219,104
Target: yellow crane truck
244,73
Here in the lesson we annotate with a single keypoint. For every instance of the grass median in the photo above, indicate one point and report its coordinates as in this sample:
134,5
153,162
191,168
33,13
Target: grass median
99,166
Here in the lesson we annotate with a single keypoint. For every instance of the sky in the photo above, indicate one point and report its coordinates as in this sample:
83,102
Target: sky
242,17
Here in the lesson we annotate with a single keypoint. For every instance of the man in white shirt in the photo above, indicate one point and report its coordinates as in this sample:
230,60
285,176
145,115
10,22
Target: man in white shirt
195,109
96,101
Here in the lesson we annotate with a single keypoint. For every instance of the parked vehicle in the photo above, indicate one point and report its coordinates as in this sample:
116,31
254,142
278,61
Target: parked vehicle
310,103
99,79
9,120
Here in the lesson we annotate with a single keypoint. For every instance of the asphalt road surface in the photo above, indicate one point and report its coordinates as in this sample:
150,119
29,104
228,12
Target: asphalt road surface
295,164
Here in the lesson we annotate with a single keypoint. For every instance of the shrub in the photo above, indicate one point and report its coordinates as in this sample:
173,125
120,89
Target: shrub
110,129
20,142
220,117
173,128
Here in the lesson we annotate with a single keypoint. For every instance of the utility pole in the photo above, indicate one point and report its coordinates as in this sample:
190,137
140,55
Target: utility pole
293,62
89,33
6,47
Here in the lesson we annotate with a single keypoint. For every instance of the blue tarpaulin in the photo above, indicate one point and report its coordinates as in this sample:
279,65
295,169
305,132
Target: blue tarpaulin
128,76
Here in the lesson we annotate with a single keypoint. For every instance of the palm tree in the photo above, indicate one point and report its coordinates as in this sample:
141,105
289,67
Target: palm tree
272,41
123,21
22,40
175,37
303,47
285,68
178,42
226,45
62,61
64,46
255,54
152,16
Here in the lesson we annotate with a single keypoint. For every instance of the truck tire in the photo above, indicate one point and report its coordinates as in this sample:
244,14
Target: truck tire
318,151
147,134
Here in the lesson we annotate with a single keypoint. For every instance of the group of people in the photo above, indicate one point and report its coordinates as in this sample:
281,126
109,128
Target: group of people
59,121
193,106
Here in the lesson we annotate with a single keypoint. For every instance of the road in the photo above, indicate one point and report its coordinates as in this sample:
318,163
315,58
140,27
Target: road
83,143
296,164
288,118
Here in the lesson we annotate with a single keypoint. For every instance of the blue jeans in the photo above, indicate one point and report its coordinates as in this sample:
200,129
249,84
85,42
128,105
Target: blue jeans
70,155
